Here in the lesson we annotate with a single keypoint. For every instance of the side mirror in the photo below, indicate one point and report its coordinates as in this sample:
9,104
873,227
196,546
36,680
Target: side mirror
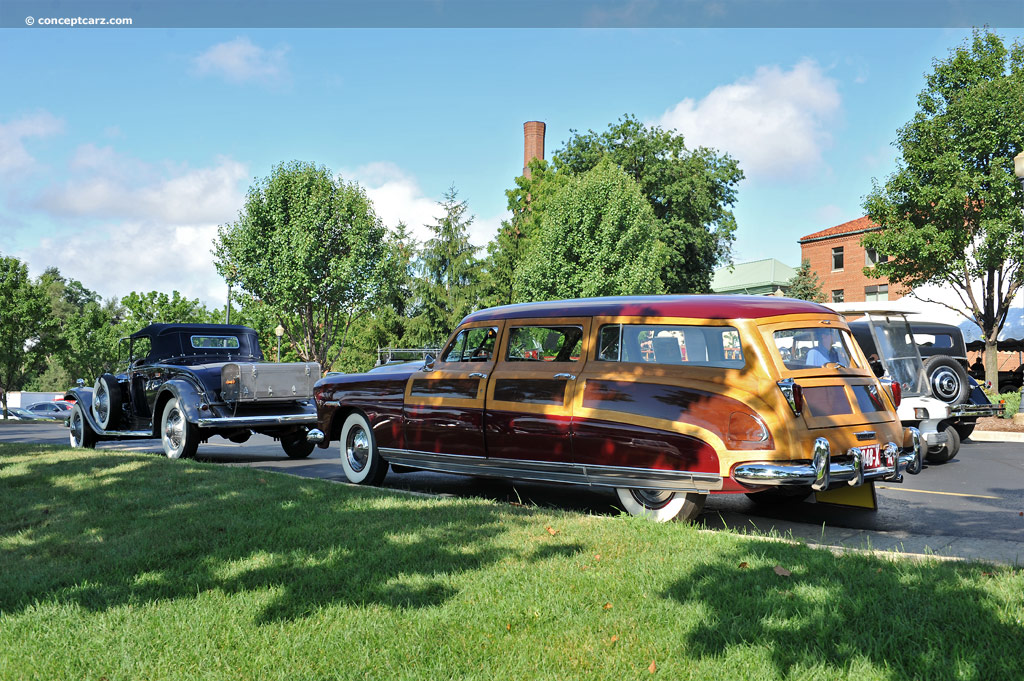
428,362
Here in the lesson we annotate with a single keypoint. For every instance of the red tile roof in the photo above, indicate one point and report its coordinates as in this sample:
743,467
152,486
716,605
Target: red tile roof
863,224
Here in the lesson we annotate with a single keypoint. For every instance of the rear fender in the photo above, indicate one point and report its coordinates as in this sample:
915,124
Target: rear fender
189,399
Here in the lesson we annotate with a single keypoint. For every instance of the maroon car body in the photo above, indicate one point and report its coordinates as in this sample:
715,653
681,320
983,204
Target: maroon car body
664,398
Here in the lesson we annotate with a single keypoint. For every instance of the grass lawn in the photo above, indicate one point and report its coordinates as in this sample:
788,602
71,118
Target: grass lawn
119,565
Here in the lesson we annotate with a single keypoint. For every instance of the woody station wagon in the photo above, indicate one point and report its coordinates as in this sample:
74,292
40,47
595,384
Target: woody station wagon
665,399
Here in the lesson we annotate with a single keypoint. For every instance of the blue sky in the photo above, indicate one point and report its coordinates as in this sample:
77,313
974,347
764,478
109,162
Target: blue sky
121,150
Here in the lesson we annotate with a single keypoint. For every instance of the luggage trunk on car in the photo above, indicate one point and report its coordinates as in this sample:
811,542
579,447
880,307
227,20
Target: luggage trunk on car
268,382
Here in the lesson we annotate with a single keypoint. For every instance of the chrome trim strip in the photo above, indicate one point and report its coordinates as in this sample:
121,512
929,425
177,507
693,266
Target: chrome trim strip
255,421
125,433
545,471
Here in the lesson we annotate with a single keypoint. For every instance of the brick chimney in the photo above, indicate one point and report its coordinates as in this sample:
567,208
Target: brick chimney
533,143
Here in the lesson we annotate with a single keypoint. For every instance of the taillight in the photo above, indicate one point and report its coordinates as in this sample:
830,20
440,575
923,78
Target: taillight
895,390
793,393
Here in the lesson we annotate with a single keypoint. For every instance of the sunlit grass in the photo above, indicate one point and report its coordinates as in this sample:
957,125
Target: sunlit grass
129,566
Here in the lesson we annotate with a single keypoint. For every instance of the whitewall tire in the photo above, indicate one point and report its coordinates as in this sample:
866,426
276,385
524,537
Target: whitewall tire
659,505
360,458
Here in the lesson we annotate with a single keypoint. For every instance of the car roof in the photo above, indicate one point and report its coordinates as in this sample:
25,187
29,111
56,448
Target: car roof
697,306
168,329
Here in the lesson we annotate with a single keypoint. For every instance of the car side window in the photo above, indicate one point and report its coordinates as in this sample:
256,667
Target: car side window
713,346
545,344
472,345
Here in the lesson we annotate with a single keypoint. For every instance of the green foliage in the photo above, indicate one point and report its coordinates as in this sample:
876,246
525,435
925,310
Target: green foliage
447,288
805,284
1011,405
505,253
690,191
951,212
28,330
142,309
310,248
597,237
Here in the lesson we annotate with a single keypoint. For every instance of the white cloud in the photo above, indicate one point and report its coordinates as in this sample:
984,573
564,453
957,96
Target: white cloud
775,122
115,259
108,185
240,61
398,197
136,226
14,157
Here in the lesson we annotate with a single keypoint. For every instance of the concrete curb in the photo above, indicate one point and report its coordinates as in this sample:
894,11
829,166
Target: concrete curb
995,436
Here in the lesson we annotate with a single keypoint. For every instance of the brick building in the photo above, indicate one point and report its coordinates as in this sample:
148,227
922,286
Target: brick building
839,260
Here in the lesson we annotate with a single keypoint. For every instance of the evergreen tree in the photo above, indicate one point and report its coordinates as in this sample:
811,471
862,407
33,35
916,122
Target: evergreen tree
805,284
447,288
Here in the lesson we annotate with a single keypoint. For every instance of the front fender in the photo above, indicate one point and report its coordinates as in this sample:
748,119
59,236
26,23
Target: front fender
83,396
189,399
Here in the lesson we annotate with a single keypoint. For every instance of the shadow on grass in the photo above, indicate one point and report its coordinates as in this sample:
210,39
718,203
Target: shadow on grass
100,530
926,620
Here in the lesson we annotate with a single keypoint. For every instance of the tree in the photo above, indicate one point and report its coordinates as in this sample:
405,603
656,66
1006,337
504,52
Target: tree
447,287
951,213
527,204
153,307
690,191
805,284
26,326
597,237
310,247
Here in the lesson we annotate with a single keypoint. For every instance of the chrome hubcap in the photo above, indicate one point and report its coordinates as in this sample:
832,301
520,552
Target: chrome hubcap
946,384
76,428
652,498
102,403
174,430
357,449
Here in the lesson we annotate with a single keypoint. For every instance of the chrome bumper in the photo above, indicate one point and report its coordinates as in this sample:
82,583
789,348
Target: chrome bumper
822,471
976,410
256,421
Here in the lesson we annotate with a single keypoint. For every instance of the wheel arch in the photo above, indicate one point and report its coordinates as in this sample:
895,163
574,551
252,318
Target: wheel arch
188,400
83,396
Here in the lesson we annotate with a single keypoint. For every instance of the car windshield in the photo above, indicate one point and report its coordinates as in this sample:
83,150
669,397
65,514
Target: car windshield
815,348
898,353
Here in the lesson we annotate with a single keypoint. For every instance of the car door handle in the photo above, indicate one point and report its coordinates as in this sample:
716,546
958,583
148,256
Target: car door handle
477,374
568,377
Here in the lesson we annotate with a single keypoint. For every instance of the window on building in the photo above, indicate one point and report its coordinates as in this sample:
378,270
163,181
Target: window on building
837,296
872,257
837,259
880,292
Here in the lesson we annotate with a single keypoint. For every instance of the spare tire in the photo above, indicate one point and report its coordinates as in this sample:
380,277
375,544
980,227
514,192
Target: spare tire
947,379
106,402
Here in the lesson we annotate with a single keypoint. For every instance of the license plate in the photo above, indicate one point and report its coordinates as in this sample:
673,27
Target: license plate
871,455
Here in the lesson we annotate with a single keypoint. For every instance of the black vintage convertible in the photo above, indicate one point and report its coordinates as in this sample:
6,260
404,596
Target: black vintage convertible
184,383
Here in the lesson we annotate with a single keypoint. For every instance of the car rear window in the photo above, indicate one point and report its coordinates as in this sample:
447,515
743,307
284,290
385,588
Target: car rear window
230,342
672,344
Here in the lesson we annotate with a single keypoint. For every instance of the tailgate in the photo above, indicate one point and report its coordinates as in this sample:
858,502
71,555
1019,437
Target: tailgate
831,402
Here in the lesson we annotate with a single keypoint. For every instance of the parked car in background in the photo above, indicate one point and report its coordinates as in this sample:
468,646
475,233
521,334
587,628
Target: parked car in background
184,383
56,409
939,397
19,414
664,399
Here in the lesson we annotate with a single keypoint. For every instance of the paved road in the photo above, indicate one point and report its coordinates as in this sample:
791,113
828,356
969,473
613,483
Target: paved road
970,506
